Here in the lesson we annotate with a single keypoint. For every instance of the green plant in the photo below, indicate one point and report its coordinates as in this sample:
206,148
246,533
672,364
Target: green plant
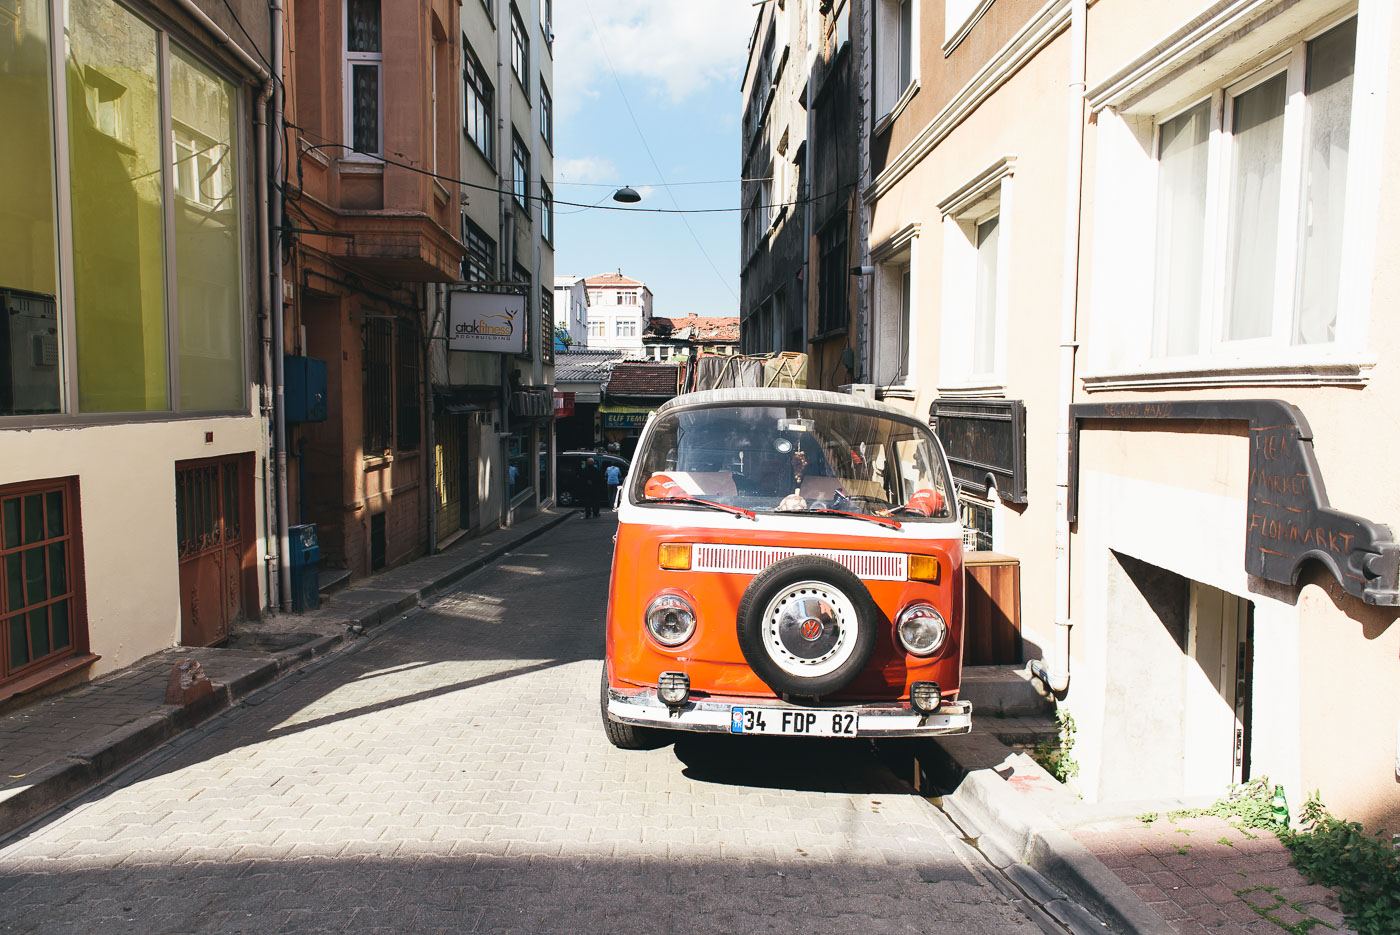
1147,818
1055,756
1248,805
1365,869
1224,840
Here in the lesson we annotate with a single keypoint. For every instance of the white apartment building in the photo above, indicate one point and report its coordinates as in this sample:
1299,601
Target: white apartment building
571,308
618,311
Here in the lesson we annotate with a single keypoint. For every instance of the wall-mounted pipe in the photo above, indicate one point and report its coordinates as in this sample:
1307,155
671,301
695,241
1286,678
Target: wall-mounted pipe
279,340
1056,674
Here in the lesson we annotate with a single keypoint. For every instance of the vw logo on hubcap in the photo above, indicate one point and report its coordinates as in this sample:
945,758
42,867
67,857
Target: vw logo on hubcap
811,629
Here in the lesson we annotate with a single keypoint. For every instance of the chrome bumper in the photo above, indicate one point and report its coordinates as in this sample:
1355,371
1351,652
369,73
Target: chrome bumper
713,713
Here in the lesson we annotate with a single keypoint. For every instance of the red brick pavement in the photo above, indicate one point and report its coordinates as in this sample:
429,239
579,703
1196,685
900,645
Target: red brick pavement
1206,877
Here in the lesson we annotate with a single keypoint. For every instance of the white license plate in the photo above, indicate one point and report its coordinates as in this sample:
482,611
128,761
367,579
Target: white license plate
795,723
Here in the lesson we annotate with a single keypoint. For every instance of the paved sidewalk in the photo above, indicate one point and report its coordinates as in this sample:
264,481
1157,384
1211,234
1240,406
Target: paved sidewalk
60,745
1204,875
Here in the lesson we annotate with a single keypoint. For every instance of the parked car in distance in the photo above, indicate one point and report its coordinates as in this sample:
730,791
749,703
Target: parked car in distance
569,463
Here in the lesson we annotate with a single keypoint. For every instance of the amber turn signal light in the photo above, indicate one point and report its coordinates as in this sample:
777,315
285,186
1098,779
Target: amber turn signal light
921,568
675,556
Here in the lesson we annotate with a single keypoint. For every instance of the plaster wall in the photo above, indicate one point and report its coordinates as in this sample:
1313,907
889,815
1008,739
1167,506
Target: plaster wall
126,490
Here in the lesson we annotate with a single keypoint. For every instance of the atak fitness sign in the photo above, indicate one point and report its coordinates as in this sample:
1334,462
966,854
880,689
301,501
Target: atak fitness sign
486,321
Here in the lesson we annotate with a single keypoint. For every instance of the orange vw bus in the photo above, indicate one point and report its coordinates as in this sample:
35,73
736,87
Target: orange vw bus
787,562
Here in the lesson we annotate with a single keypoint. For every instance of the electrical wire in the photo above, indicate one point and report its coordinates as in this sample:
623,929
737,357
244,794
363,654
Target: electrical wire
598,34
328,144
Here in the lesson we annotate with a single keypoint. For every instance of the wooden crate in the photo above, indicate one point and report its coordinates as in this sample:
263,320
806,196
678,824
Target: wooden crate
992,627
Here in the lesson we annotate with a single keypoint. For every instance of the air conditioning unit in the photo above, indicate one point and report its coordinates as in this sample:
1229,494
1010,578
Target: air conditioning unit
859,389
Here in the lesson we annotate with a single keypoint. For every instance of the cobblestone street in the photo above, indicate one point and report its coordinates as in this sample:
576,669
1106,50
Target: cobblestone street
451,775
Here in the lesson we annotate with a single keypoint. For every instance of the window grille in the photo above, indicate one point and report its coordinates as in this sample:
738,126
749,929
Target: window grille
40,613
546,326
406,395
378,337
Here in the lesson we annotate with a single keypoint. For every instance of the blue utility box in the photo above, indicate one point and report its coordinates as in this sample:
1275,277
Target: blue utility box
306,567
304,388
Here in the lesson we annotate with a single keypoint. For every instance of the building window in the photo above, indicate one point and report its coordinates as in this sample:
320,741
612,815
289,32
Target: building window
1270,234
363,61
546,213
597,329
520,172
547,20
478,103
519,49
761,86
479,263
896,52
407,395
628,297
978,522
153,224
41,601
522,275
832,311
546,326
546,117
626,328
975,280
894,302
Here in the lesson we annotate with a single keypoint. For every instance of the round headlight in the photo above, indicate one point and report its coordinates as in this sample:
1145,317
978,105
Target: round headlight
921,629
670,619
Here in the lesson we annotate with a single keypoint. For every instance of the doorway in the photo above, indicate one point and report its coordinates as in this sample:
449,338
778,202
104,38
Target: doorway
214,522
1219,688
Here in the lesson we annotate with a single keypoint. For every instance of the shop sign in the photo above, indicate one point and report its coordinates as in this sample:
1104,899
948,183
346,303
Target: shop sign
624,420
487,321
563,404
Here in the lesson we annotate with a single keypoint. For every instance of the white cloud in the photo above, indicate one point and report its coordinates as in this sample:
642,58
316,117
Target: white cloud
585,169
671,47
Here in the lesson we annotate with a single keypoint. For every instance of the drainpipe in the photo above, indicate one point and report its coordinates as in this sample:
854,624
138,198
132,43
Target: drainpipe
1056,675
279,412
438,293
261,195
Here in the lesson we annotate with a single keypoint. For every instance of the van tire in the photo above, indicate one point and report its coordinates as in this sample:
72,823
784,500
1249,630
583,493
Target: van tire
624,736
771,582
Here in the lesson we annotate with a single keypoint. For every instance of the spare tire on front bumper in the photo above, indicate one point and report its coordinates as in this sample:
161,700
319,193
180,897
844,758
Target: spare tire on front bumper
807,626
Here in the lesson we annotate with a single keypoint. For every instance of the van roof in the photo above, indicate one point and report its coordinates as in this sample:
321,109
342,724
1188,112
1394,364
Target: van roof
772,396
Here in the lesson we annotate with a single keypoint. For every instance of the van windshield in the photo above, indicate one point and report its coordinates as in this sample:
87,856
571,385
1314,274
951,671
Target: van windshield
794,459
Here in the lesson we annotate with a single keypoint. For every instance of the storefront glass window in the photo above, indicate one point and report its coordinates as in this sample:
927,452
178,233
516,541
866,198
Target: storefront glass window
29,347
114,149
206,236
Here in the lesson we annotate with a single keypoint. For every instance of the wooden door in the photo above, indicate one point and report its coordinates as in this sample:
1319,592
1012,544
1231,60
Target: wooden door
209,510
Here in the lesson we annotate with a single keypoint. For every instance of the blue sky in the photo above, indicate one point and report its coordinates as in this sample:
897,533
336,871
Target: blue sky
680,64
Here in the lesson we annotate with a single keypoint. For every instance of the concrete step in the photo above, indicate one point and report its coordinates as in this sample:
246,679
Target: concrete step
1004,691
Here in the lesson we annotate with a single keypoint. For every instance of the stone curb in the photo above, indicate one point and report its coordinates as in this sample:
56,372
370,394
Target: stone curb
69,776
1022,840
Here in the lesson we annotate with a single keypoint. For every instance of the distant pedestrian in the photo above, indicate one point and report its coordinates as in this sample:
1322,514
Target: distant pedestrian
614,475
591,484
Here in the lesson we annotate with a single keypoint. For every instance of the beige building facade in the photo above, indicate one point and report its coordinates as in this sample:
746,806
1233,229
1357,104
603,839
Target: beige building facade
1137,253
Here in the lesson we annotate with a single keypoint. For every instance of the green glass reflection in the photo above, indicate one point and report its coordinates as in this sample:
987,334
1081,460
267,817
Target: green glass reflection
62,633
58,570
19,643
114,148
207,259
14,581
33,518
39,643
53,504
36,579
11,525
28,238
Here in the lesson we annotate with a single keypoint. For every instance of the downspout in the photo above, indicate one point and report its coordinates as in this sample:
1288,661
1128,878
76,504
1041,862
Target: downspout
430,480
1056,675
260,198
279,411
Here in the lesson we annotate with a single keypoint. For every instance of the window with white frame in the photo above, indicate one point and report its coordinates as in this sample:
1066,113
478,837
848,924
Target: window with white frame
597,328
546,116
363,63
546,213
894,301
626,328
520,172
478,103
1251,196
896,52
975,280
519,49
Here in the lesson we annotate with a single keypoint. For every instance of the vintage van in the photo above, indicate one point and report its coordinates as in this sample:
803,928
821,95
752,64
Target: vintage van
787,562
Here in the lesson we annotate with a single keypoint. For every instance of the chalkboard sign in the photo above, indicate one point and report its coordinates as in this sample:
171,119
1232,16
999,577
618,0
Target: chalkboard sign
986,444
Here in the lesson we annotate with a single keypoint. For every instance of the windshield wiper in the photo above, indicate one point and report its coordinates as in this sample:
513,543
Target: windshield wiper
883,521
736,510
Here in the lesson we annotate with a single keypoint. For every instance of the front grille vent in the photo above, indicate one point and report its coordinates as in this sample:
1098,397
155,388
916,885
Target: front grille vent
752,559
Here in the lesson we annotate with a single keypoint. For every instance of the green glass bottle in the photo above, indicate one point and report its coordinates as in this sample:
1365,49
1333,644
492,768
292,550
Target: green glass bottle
1279,808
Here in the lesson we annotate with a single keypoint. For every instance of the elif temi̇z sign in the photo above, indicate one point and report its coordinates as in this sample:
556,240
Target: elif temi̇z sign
486,321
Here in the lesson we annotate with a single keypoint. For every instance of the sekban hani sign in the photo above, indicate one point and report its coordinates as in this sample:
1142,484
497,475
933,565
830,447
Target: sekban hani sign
486,321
